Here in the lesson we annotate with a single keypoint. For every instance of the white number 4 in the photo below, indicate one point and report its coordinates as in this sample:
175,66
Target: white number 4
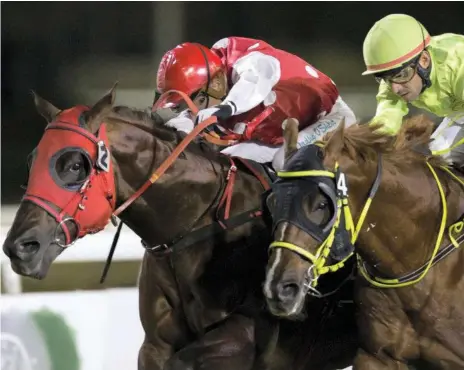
341,185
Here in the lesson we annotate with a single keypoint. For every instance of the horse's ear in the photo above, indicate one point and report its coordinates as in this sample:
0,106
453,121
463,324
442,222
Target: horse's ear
290,127
334,144
95,116
46,109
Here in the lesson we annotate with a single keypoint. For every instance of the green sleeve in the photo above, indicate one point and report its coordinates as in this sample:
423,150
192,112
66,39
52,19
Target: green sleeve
390,110
459,84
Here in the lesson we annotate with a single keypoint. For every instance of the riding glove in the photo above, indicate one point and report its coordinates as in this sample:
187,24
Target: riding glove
221,111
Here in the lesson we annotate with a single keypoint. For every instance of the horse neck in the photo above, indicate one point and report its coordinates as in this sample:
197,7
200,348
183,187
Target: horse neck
177,199
401,227
185,197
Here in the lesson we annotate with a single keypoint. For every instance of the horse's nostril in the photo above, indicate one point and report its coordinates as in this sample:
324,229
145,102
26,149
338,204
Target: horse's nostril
287,291
28,247
7,251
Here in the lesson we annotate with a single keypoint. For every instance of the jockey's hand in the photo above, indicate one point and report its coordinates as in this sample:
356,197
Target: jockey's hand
222,112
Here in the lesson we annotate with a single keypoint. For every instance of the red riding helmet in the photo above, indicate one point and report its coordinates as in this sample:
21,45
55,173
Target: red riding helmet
184,68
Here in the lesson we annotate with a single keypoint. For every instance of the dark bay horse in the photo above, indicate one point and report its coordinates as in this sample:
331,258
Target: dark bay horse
399,208
201,303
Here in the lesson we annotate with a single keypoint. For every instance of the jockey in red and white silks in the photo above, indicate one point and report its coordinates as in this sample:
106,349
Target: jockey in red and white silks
248,83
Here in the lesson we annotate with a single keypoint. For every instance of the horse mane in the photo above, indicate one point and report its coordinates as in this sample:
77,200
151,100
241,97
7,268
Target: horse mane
144,120
410,145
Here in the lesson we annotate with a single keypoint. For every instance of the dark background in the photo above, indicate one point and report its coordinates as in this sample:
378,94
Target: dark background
72,52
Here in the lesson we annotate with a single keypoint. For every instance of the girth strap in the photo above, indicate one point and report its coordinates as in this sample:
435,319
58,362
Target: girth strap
206,232
223,220
441,254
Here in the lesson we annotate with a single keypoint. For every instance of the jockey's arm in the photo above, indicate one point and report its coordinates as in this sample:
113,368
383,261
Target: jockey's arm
253,78
459,84
183,121
391,110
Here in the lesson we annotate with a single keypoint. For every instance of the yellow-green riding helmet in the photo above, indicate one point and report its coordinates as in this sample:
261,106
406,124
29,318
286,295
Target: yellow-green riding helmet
393,41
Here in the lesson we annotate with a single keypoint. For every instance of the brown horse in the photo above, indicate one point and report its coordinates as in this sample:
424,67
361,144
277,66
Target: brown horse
201,305
408,295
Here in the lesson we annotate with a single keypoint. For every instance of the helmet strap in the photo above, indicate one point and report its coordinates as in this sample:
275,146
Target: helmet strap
424,74
157,96
208,74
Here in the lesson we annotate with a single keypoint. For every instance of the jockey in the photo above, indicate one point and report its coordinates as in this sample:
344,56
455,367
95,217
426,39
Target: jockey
252,88
427,72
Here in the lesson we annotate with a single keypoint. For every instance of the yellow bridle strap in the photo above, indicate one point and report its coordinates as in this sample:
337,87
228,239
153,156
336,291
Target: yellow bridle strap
396,283
446,150
452,174
322,253
361,219
455,228
314,173
458,226
320,258
311,257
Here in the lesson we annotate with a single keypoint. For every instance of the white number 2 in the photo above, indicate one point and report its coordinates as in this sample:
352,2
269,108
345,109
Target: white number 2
341,184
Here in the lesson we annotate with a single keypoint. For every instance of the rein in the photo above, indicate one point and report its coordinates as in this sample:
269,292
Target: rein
173,156
437,255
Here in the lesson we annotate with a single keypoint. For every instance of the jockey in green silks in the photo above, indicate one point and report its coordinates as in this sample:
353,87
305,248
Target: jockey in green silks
426,71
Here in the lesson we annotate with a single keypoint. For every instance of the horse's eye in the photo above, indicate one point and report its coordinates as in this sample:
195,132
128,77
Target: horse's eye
76,167
322,205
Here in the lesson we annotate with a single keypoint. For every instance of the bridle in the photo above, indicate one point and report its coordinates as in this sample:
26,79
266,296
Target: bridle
87,205
338,234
